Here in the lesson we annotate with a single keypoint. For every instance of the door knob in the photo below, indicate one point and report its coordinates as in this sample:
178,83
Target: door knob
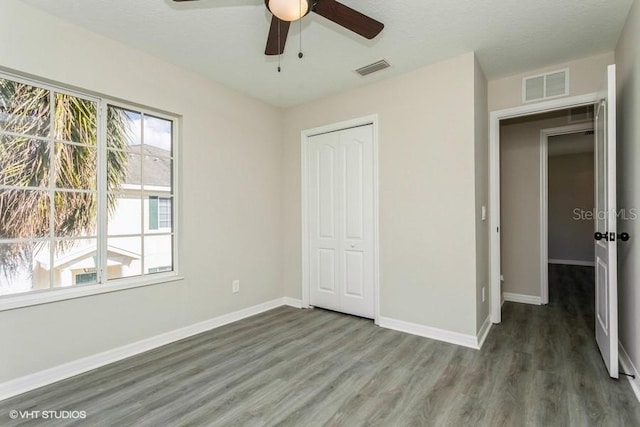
353,245
610,237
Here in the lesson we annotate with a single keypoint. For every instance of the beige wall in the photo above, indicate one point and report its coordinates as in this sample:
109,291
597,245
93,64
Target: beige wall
482,194
427,190
587,76
231,188
571,186
628,75
520,200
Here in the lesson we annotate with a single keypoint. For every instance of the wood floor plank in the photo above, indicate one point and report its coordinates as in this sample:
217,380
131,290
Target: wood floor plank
290,367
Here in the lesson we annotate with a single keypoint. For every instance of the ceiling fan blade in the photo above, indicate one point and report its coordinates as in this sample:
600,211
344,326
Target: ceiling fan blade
349,18
273,47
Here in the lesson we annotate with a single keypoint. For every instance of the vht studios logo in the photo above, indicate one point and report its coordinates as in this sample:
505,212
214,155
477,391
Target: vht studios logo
621,214
47,415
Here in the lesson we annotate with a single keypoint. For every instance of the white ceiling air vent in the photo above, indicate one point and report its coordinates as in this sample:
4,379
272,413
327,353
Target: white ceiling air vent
581,114
372,68
545,86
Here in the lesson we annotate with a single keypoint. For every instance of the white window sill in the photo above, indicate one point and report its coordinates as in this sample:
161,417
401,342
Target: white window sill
11,302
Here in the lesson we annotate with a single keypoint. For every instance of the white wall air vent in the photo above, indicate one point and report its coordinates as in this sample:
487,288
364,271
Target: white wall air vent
372,68
581,114
545,86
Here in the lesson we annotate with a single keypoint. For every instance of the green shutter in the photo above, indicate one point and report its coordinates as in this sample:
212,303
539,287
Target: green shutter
153,213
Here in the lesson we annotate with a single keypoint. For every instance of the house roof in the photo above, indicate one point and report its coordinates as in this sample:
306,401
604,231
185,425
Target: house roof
153,163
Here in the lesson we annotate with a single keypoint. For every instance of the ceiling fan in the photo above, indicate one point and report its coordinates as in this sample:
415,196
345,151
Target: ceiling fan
286,11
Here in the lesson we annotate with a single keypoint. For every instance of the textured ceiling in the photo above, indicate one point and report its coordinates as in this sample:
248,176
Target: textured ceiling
224,39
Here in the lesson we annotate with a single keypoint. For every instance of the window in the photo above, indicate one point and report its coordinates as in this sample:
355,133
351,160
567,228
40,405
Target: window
164,212
159,213
86,278
86,190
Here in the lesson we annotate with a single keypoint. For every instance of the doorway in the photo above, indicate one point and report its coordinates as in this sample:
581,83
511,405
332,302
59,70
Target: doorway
567,189
606,237
340,217
526,143
496,118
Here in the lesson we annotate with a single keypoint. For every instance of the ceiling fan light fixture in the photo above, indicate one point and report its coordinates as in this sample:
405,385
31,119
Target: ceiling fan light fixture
288,10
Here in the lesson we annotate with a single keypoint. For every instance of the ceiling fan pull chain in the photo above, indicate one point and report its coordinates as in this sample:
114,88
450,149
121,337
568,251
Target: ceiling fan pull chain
300,54
279,48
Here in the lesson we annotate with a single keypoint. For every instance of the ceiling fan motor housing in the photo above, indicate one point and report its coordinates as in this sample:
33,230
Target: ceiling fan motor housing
295,7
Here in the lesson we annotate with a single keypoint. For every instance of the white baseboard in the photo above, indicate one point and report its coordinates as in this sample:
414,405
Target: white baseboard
293,302
464,340
629,368
57,373
484,331
572,262
521,298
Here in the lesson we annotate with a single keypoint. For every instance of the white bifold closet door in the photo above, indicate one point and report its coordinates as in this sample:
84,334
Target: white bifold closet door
341,221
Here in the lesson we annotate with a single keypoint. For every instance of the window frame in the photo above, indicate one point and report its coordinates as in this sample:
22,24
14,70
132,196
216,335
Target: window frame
44,296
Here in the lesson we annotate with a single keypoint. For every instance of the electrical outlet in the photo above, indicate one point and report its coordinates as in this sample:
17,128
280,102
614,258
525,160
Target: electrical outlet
235,286
483,297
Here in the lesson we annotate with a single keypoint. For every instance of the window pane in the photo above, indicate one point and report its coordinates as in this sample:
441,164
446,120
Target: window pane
24,214
124,259
76,214
156,173
158,252
157,136
123,128
24,161
24,109
126,215
76,167
72,258
123,170
76,119
24,267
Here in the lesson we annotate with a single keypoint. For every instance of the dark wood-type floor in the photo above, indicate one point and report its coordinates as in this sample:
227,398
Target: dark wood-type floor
289,367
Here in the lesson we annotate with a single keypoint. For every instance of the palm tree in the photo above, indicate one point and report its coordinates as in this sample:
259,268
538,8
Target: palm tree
26,113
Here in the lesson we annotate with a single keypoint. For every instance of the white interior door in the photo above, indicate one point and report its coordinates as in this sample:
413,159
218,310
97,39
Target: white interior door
341,221
606,229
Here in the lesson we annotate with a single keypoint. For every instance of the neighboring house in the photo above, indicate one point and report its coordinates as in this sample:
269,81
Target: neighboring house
133,223
79,266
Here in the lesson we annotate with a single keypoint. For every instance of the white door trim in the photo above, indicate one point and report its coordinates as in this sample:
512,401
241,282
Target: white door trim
306,134
494,181
544,199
